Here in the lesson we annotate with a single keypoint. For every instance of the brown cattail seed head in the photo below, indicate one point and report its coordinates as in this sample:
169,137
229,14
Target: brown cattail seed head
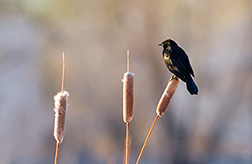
60,102
128,82
167,95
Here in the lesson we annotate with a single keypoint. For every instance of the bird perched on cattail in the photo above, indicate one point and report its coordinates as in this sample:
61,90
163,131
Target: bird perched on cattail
178,63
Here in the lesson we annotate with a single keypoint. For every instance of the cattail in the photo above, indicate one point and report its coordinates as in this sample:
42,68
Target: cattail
167,96
60,102
161,108
128,96
128,82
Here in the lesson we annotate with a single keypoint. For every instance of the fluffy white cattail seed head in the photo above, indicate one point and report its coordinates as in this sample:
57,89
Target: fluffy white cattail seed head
60,102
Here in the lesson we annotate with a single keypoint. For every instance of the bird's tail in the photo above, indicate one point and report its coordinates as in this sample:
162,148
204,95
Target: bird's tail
191,86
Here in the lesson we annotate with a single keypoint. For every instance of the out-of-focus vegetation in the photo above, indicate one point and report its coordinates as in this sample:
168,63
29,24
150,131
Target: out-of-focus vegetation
213,127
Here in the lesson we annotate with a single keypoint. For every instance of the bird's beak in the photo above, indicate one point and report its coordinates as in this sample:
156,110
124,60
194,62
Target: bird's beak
161,44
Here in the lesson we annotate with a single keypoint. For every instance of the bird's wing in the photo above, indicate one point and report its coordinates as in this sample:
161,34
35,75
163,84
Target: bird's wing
184,59
174,64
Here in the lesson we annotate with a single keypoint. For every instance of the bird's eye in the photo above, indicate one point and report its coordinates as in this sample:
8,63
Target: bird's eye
166,56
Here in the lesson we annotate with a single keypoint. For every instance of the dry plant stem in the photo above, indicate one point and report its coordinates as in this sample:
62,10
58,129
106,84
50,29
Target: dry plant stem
128,61
127,144
146,140
56,153
63,73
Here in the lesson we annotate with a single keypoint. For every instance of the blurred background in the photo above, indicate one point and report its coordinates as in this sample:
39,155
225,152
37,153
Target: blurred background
213,127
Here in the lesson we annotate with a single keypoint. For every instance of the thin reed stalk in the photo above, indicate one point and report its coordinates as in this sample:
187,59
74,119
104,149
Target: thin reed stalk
63,72
56,152
127,149
147,139
161,108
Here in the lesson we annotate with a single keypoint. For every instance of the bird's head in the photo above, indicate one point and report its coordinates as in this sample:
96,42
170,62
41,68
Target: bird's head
167,43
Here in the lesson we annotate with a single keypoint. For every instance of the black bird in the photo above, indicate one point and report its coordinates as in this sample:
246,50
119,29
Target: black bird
178,63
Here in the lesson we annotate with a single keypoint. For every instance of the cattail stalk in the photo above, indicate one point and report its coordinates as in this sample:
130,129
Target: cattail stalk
146,140
128,82
60,103
161,108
